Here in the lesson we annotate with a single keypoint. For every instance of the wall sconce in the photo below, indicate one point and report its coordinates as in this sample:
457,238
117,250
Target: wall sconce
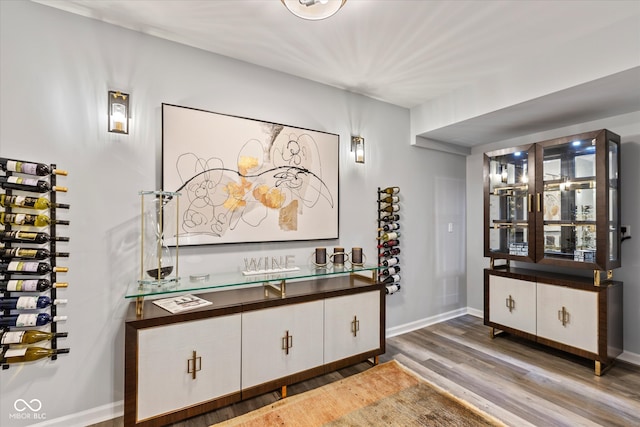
357,145
313,10
118,112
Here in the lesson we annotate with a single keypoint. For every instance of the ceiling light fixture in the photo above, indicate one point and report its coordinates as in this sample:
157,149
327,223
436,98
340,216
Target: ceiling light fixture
313,10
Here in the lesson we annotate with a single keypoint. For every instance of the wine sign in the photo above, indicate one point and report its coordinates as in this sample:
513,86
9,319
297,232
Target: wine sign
266,265
388,238
28,261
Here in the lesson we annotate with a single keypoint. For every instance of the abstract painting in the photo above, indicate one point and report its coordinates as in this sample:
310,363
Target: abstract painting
244,180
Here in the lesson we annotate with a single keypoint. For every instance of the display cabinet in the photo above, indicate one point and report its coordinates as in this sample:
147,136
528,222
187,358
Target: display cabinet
556,202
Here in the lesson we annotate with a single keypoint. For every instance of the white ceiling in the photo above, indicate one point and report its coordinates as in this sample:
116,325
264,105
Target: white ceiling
407,53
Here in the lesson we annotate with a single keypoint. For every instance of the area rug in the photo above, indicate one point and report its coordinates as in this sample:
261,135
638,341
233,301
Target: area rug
388,394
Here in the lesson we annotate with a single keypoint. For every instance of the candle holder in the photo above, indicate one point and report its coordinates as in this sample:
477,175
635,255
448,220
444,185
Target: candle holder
339,257
357,257
320,257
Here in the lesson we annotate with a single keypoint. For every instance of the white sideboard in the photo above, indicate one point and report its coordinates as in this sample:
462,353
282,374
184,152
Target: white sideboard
247,342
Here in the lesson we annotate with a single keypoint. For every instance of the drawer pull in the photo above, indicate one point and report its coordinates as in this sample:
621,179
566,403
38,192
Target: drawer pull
287,342
194,365
563,316
510,303
355,326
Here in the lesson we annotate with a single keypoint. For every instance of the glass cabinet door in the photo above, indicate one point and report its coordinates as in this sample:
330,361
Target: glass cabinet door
572,192
509,179
613,181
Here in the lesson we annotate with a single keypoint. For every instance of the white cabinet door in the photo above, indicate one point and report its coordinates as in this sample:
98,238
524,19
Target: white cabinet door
268,354
580,328
352,325
512,303
164,384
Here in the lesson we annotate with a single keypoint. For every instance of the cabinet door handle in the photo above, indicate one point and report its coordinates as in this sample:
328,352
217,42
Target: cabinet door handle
355,326
510,303
530,202
538,202
563,316
194,364
287,342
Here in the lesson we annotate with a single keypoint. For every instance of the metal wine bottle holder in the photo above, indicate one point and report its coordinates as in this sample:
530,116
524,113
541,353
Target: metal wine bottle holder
159,216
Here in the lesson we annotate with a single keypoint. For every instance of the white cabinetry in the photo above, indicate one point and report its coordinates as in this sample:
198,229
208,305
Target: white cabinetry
166,364
246,343
568,316
512,303
352,325
285,339
566,312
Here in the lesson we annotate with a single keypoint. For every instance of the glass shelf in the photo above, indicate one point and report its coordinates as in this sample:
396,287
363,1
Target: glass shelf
236,279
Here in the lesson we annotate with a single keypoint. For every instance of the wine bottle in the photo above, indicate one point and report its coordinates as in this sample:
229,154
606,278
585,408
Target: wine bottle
31,336
29,253
390,261
389,244
29,303
390,271
29,285
390,190
391,279
28,219
29,354
392,289
29,267
390,252
39,203
390,227
392,235
31,319
28,237
390,218
390,199
29,168
390,208
28,184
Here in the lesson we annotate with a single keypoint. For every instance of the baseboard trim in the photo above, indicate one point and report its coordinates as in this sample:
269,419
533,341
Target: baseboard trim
85,418
627,356
418,324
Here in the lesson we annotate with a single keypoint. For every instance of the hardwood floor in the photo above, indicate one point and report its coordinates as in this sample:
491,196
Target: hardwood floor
521,383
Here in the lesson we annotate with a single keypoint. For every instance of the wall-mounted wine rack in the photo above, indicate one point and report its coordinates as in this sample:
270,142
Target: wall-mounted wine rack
388,238
29,261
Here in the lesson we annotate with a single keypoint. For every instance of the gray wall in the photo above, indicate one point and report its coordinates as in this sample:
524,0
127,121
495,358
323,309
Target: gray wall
628,127
55,71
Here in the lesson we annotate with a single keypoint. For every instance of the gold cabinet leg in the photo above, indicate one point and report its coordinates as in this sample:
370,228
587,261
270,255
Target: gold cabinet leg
601,368
283,391
139,306
493,332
